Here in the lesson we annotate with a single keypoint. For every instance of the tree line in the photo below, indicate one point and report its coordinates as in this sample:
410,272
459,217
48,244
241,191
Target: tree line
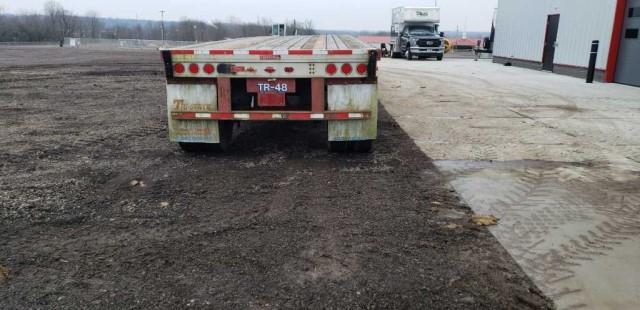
55,23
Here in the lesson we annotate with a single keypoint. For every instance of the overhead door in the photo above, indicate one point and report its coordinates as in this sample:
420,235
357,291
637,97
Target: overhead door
628,68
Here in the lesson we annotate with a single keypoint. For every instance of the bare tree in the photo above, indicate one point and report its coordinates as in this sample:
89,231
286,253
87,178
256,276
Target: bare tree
307,28
57,23
93,24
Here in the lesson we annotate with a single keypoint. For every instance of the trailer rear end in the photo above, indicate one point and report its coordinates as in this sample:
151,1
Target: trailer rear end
325,78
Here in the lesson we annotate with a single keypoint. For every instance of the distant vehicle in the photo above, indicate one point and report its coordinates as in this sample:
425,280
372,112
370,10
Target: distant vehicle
329,78
414,33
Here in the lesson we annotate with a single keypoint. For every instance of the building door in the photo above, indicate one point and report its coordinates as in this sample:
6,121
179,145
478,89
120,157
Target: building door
628,67
550,42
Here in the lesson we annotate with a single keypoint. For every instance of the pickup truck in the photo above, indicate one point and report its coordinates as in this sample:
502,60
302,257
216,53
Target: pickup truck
323,78
414,33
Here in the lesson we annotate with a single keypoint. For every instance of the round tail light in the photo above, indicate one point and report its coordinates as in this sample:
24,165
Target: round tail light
347,69
193,68
362,69
179,68
332,69
209,68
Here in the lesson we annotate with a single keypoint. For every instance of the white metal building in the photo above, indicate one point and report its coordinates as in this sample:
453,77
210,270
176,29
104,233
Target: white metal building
556,35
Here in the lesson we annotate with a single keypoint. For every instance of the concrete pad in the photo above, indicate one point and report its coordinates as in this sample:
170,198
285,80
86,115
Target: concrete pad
556,159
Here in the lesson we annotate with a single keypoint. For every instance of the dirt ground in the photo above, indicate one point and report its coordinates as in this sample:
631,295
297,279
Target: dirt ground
99,210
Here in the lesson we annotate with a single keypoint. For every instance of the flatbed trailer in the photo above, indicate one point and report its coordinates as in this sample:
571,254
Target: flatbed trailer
327,78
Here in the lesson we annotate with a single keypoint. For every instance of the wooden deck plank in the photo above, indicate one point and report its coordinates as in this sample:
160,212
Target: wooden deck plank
331,42
341,44
353,43
300,43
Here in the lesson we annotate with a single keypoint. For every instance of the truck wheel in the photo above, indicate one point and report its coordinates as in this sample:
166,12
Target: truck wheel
440,57
363,146
408,54
396,55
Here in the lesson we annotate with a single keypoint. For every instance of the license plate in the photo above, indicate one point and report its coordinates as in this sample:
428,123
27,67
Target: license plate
271,85
271,92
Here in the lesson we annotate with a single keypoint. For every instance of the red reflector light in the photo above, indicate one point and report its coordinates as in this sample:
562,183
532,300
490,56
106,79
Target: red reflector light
193,68
209,68
347,69
362,69
270,69
288,69
179,68
332,69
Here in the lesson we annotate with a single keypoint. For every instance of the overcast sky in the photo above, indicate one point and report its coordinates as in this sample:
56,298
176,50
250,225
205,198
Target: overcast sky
327,14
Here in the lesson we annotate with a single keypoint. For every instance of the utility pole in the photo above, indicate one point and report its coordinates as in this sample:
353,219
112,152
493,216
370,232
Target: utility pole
137,28
195,33
162,25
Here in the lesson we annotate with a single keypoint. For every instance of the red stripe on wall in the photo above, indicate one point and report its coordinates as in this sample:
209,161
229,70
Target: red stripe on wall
616,37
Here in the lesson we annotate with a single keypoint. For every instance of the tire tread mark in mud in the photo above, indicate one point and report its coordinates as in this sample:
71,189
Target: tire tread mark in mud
541,200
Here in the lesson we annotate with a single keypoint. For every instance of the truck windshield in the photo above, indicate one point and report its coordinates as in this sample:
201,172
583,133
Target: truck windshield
422,30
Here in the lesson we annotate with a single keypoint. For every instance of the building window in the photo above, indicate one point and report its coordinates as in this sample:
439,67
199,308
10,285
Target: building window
631,34
634,12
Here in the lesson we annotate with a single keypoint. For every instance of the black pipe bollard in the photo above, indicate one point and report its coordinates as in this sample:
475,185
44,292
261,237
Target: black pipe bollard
592,61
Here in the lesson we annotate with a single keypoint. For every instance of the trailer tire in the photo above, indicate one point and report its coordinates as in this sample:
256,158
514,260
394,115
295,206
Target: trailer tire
226,135
338,146
194,147
364,146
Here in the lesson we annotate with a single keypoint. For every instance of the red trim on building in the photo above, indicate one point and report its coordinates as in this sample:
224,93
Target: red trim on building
616,37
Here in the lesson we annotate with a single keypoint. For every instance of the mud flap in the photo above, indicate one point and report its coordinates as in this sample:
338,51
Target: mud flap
356,97
199,98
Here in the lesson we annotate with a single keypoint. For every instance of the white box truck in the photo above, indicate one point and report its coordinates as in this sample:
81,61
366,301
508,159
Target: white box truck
415,33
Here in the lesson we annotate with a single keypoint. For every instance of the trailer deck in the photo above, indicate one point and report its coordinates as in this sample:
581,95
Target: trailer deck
313,42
